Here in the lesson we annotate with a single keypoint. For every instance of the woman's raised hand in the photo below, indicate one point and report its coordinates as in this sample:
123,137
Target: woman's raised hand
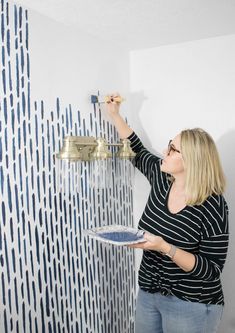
112,103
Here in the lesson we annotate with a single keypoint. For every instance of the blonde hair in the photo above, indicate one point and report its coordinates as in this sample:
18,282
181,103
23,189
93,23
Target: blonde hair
204,173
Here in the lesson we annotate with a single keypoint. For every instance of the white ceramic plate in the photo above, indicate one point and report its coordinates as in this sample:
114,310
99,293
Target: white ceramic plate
116,234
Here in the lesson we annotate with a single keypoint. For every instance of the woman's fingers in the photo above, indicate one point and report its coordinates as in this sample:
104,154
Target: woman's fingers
152,242
113,98
142,245
149,237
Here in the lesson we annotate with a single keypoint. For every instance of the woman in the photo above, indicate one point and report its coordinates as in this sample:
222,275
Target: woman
186,224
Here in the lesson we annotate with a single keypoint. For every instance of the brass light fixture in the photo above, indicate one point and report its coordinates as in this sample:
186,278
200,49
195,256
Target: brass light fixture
85,148
77,149
125,152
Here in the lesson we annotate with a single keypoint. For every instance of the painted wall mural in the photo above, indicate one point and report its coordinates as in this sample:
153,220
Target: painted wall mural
52,278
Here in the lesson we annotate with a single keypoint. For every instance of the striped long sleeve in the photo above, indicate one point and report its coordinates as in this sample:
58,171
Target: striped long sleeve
213,246
144,160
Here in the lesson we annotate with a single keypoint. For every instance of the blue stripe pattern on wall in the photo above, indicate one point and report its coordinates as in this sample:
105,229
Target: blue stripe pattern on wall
52,279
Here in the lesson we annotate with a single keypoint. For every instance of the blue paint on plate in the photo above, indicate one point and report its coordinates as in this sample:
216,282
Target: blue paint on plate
121,236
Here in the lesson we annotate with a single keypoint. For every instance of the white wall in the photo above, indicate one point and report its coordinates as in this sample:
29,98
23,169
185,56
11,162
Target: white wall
187,85
72,64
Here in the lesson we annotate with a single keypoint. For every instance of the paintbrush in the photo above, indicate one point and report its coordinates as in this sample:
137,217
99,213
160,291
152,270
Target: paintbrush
106,99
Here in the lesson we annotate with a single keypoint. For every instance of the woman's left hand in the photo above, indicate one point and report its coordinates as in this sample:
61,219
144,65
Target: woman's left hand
152,242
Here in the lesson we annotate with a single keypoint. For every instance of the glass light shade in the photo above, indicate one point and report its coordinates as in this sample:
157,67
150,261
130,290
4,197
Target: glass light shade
68,176
125,172
100,173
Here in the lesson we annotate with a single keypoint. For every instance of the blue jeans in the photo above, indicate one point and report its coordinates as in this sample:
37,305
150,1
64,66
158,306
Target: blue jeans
156,313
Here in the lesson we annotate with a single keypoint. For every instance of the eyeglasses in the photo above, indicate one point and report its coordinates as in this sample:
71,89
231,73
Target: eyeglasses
171,148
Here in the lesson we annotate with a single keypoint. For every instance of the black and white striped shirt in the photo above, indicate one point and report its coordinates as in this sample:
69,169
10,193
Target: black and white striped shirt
201,230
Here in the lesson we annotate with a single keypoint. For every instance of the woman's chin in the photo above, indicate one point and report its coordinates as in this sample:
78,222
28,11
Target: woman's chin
162,168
